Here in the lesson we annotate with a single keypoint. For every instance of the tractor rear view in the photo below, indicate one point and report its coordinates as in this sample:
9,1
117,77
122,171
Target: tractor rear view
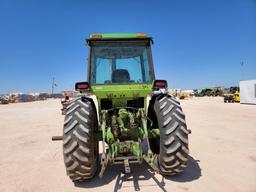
125,107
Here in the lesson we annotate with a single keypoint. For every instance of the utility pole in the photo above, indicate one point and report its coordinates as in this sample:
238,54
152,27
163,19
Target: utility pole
242,70
53,84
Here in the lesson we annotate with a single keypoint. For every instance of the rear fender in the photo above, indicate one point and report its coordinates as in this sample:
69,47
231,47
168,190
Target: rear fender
94,100
150,100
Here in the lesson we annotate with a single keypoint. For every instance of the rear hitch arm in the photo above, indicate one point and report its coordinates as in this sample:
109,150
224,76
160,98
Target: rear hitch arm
57,138
104,157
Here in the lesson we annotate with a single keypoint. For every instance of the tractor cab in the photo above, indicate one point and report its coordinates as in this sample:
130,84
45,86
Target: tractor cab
122,59
120,69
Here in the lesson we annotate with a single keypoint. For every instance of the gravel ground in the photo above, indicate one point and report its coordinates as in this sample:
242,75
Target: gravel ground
222,151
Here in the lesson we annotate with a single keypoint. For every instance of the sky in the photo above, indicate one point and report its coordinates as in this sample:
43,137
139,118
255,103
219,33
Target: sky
197,43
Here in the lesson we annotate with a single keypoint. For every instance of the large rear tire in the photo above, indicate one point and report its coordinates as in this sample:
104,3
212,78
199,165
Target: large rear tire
173,145
80,150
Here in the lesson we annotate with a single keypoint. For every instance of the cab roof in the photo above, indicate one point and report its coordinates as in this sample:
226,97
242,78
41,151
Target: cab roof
118,36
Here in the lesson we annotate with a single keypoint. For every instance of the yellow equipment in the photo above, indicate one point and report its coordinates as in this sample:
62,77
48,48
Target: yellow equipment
233,95
183,95
236,96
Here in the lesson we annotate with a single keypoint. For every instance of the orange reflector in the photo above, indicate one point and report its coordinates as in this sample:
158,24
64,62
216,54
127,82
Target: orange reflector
141,35
96,36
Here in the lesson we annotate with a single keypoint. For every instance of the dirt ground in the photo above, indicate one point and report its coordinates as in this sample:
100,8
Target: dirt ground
222,152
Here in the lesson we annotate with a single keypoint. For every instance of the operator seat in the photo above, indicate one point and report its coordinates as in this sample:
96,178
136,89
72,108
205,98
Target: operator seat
120,76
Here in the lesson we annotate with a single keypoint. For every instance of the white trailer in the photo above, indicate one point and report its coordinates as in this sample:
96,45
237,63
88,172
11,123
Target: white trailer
248,91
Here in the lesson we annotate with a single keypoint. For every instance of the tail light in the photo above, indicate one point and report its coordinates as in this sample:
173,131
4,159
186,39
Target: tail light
160,84
80,86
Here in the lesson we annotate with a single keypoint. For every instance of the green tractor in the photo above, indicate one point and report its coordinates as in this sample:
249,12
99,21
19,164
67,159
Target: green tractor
127,109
